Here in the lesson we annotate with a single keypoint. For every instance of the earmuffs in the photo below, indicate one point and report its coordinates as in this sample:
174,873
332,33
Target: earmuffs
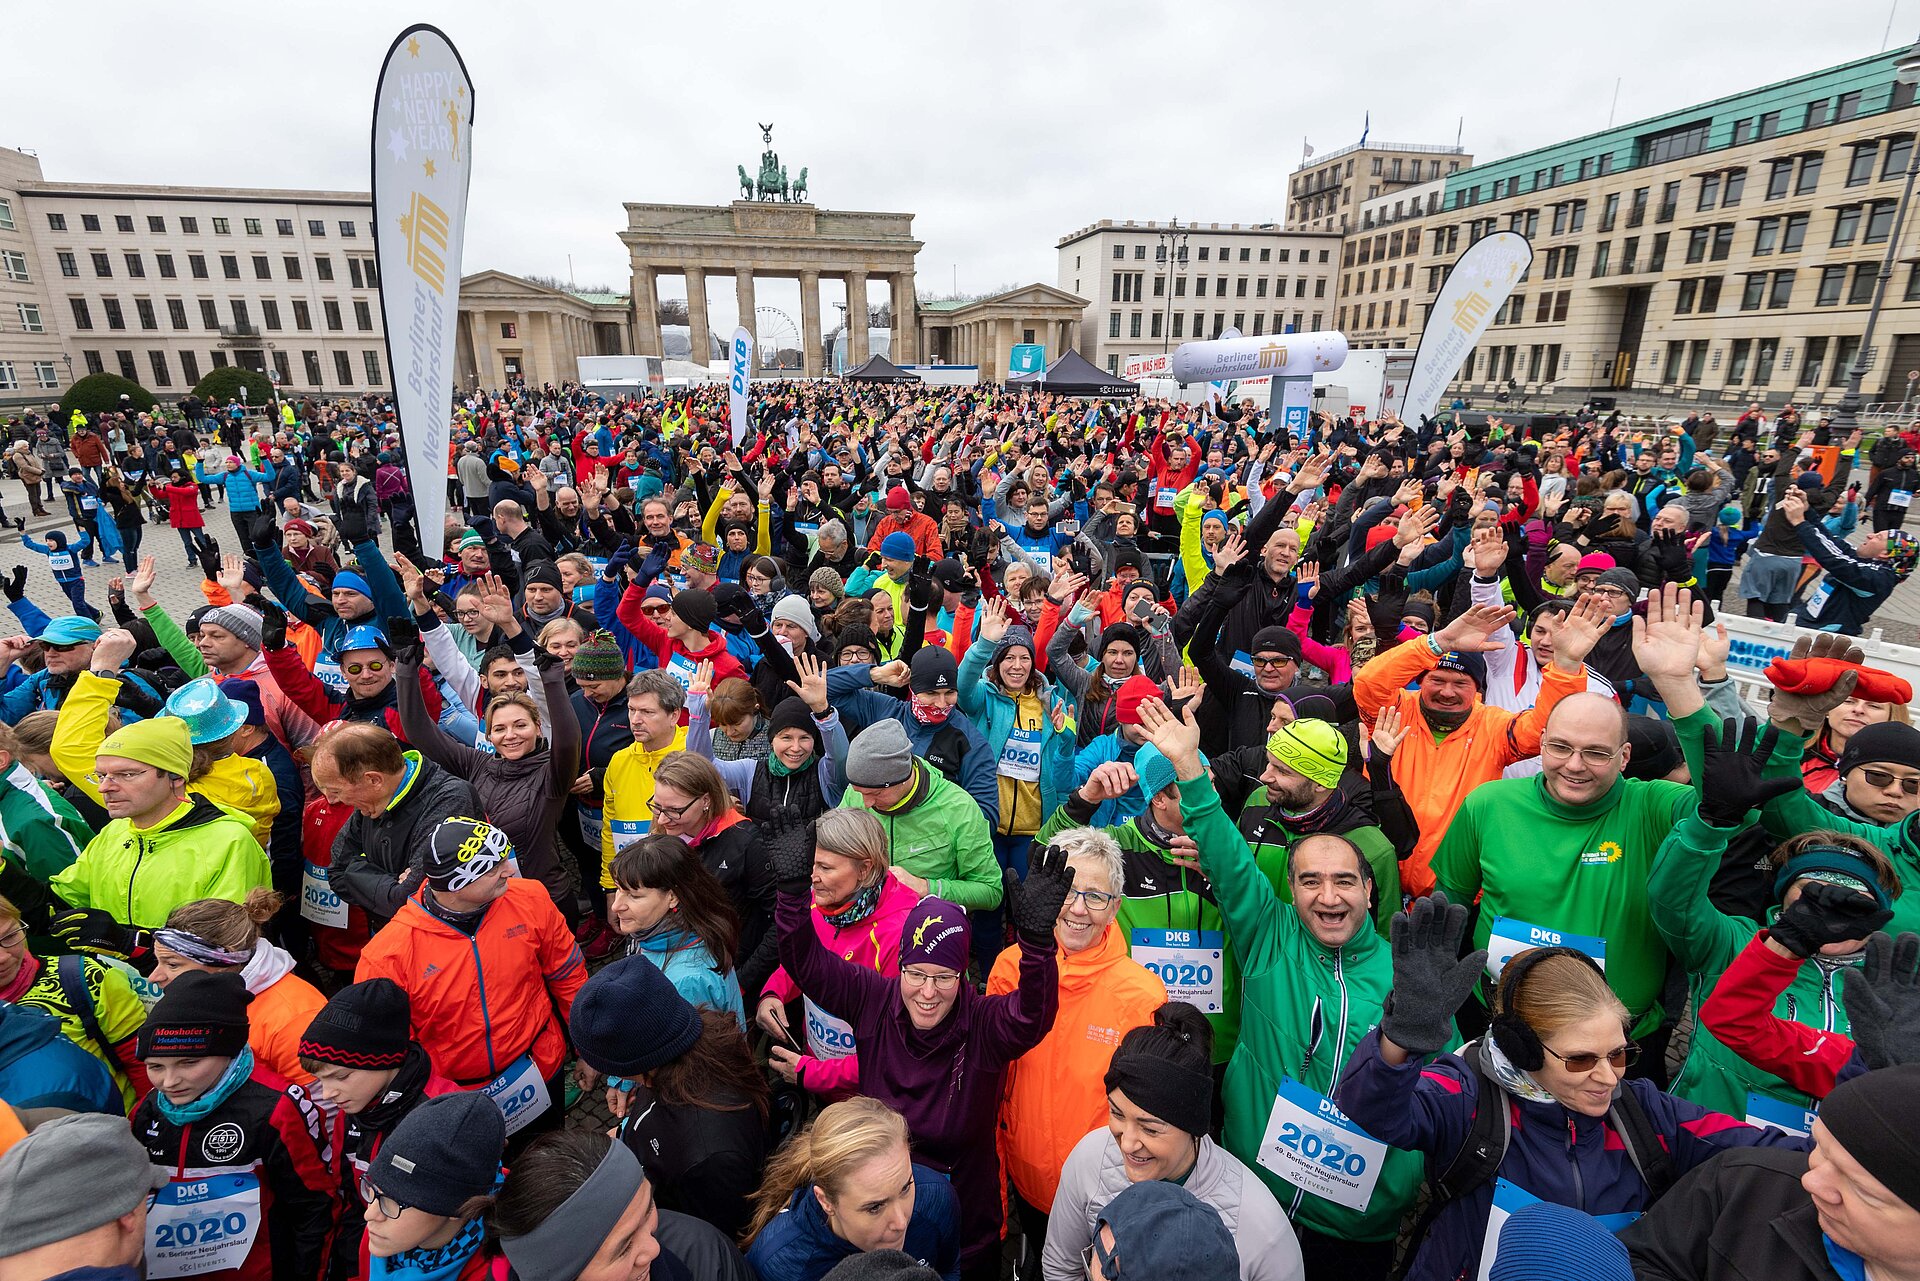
1516,1039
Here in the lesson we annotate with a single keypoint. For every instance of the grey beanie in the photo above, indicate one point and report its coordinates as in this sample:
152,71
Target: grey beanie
443,1153
1625,579
795,610
881,756
70,1176
243,621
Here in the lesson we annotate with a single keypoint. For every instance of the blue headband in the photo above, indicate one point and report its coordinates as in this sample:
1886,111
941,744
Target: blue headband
1837,862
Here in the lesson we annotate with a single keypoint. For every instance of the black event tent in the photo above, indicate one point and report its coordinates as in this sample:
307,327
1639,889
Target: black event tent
878,369
1074,375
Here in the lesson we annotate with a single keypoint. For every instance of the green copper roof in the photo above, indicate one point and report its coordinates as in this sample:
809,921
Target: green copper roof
603,300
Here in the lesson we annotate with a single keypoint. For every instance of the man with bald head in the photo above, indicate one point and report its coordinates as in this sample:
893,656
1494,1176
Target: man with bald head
1562,859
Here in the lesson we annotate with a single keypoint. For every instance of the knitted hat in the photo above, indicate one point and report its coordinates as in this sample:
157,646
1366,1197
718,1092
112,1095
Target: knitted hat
1381,533
695,608
1276,640
880,756
1889,743
71,1175
879,1265
1128,558
1547,1241
793,713
1595,562
1133,691
854,636
701,558
462,850
827,579
898,500
362,1026
1469,664
1903,551
247,694
1164,1232
543,571
1730,514
307,527
1154,770
242,620
443,1153
630,1019
935,933
1655,747
933,670
1017,637
599,659
1873,1118
469,538
159,741
1312,749
200,1015
348,580
1126,632
950,574
1625,579
730,601
795,610
899,545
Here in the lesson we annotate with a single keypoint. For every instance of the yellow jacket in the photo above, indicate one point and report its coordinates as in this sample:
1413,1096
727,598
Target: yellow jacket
625,818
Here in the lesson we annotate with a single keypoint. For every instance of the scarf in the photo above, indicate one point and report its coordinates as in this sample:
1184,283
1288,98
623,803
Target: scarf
928,715
400,1096
1511,1079
22,980
779,770
1324,817
443,1264
856,909
236,1075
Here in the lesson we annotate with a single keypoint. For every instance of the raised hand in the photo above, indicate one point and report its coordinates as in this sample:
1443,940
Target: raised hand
1580,630
1359,621
111,652
812,685
1883,1001
1307,574
1232,550
411,580
1066,586
1109,781
894,673
1035,903
702,682
496,602
1185,685
140,586
1731,785
1416,525
993,620
1389,728
233,576
1177,737
1666,643
1804,714
1488,551
1472,632
1430,977
786,841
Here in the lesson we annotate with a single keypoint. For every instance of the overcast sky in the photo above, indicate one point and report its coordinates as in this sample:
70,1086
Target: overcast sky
1002,126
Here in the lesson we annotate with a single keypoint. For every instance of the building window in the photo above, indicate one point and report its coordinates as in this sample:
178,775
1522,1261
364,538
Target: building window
1832,279
102,264
322,267
1133,327
14,264
1722,242
353,274
292,264
1140,252
230,266
197,266
1737,361
363,317
189,368
135,267
115,318
1811,363
1120,253
88,222
262,269
44,375
176,313
1113,325
343,368
1683,302
189,227
161,378
1816,113
219,359
253,226
283,225
346,231
1809,173
372,359
1860,288
1673,144
1860,167
1846,226
30,321
9,381
241,320
1879,222
1266,253
209,314
1755,292
68,265
1844,351
221,227
1734,187
1899,153
1781,290
1709,295
1179,323
1240,287
128,370
311,361
143,308
270,313
1709,194
1793,232
1768,127
56,222
1766,234
165,264
371,271
1779,178
302,317
282,369
123,223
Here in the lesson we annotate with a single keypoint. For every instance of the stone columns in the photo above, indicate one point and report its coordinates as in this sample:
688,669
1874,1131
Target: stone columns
856,318
905,322
482,353
523,328
702,351
812,359
743,294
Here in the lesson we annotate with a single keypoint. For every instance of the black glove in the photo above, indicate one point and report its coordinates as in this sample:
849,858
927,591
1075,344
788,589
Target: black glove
89,929
15,585
873,560
1732,786
1430,977
404,635
786,842
353,523
273,627
1671,555
1035,903
920,592
1883,1001
264,532
1827,913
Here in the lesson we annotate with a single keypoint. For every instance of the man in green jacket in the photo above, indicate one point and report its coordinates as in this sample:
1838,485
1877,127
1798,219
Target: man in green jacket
937,833
1313,980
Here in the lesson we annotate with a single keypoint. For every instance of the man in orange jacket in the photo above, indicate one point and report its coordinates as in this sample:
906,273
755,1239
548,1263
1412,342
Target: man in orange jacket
1455,741
902,516
485,958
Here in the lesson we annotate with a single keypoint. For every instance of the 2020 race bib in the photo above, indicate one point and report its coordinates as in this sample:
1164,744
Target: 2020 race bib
318,902
1764,1110
195,1226
1020,758
1508,938
1311,1144
827,1037
1192,964
520,1092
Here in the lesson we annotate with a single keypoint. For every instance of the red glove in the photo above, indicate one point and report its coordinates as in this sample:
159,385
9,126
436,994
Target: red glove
1817,676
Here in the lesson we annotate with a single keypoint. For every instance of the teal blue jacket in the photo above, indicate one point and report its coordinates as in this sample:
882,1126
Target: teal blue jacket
992,711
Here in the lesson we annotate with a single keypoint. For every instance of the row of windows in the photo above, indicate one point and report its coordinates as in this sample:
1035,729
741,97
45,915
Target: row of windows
41,371
190,225
242,311
1148,324
1385,315
1502,363
1226,254
1128,286
1753,362
364,272
162,372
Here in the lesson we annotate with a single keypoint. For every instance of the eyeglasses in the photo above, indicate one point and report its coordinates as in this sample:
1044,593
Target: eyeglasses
1624,1057
1094,900
12,937
939,982
1555,750
1605,589
660,608
119,777
1282,661
389,1208
371,665
674,812
1879,778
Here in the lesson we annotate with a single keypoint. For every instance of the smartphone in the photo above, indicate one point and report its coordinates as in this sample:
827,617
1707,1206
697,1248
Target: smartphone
1141,609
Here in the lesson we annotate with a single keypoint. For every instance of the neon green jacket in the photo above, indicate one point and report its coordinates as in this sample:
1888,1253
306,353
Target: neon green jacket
139,875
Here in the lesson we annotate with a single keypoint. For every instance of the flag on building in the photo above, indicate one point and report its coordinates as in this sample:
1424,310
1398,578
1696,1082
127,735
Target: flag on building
1366,129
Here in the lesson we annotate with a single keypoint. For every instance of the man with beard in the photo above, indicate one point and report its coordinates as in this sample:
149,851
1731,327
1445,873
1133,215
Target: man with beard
1456,741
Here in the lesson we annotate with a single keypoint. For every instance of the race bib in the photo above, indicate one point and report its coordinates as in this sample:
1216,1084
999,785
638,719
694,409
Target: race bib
1242,663
1020,758
827,1036
1042,559
1508,938
1817,599
1165,497
1764,1110
1899,497
1192,963
60,560
627,830
520,1093
327,671
1507,1198
89,503
318,902
682,668
807,528
1311,1144
202,1225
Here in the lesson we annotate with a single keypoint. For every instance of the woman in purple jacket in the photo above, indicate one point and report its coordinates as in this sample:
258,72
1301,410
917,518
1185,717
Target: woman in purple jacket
929,1045
1577,1131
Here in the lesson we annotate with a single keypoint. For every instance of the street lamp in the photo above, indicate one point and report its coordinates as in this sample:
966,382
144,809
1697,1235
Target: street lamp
1171,249
1906,72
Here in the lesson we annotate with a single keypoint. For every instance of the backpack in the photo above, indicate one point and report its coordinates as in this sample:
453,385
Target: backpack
1485,1147
70,973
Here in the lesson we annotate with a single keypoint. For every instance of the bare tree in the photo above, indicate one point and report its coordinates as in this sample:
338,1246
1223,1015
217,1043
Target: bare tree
672,311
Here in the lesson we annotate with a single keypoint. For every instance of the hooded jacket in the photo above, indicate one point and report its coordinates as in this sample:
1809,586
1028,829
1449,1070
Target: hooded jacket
939,833
40,1068
683,958
947,1080
1853,589
1745,1217
1056,1091
139,875
799,1244
282,1007
673,656
995,712
370,853
851,690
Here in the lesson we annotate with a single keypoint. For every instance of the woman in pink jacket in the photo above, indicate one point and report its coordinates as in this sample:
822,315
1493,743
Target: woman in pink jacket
858,911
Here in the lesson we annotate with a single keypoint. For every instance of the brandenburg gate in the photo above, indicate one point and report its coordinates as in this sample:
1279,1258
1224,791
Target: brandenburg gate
772,231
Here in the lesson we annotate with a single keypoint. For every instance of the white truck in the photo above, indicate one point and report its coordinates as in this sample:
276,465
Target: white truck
1367,385
615,376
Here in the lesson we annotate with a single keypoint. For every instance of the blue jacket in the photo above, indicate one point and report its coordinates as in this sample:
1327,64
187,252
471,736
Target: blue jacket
850,689
1560,1156
40,1068
993,712
1854,587
685,959
242,494
64,561
1101,751
799,1245
389,600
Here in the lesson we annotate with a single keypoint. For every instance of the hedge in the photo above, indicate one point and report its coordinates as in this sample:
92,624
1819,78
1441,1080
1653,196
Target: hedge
98,394
222,385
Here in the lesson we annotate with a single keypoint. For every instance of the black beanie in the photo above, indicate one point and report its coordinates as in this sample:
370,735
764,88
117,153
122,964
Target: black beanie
1872,1117
880,1265
933,670
1276,640
544,571
1118,632
1889,743
629,1019
695,608
200,1015
1656,748
443,1153
793,713
364,1026
856,636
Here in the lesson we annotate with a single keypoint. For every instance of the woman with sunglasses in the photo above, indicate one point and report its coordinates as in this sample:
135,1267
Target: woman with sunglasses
1578,1132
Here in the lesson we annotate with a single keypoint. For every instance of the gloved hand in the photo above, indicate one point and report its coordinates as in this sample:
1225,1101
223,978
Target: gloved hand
1035,903
404,635
15,584
1883,1001
621,558
273,627
786,842
1430,978
1732,787
90,929
753,622
353,523
1826,913
1803,713
653,565
1671,555
263,532
920,592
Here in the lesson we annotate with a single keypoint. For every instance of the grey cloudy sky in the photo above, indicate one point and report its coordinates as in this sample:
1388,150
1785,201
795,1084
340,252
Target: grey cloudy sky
1001,125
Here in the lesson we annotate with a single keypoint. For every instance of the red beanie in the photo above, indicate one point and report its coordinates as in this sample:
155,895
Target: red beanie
1381,533
897,500
1135,690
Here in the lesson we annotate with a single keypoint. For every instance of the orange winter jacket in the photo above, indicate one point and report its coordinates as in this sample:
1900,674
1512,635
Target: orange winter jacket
277,1018
1435,774
1056,1092
480,1003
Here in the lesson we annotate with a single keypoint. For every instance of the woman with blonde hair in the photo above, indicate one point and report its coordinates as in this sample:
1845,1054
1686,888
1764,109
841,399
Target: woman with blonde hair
859,908
845,1185
213,936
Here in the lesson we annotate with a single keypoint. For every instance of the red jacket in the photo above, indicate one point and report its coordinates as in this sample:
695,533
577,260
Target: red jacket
336,947
304,690
183,506
666,648
918,525
1739,1011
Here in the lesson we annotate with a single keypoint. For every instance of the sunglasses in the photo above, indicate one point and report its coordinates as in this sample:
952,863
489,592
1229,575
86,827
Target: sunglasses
1271,662
1879,778
1624,1057
374,665
659,608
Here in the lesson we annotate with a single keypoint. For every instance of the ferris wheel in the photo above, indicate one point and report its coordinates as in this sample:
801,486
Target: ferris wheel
777,339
